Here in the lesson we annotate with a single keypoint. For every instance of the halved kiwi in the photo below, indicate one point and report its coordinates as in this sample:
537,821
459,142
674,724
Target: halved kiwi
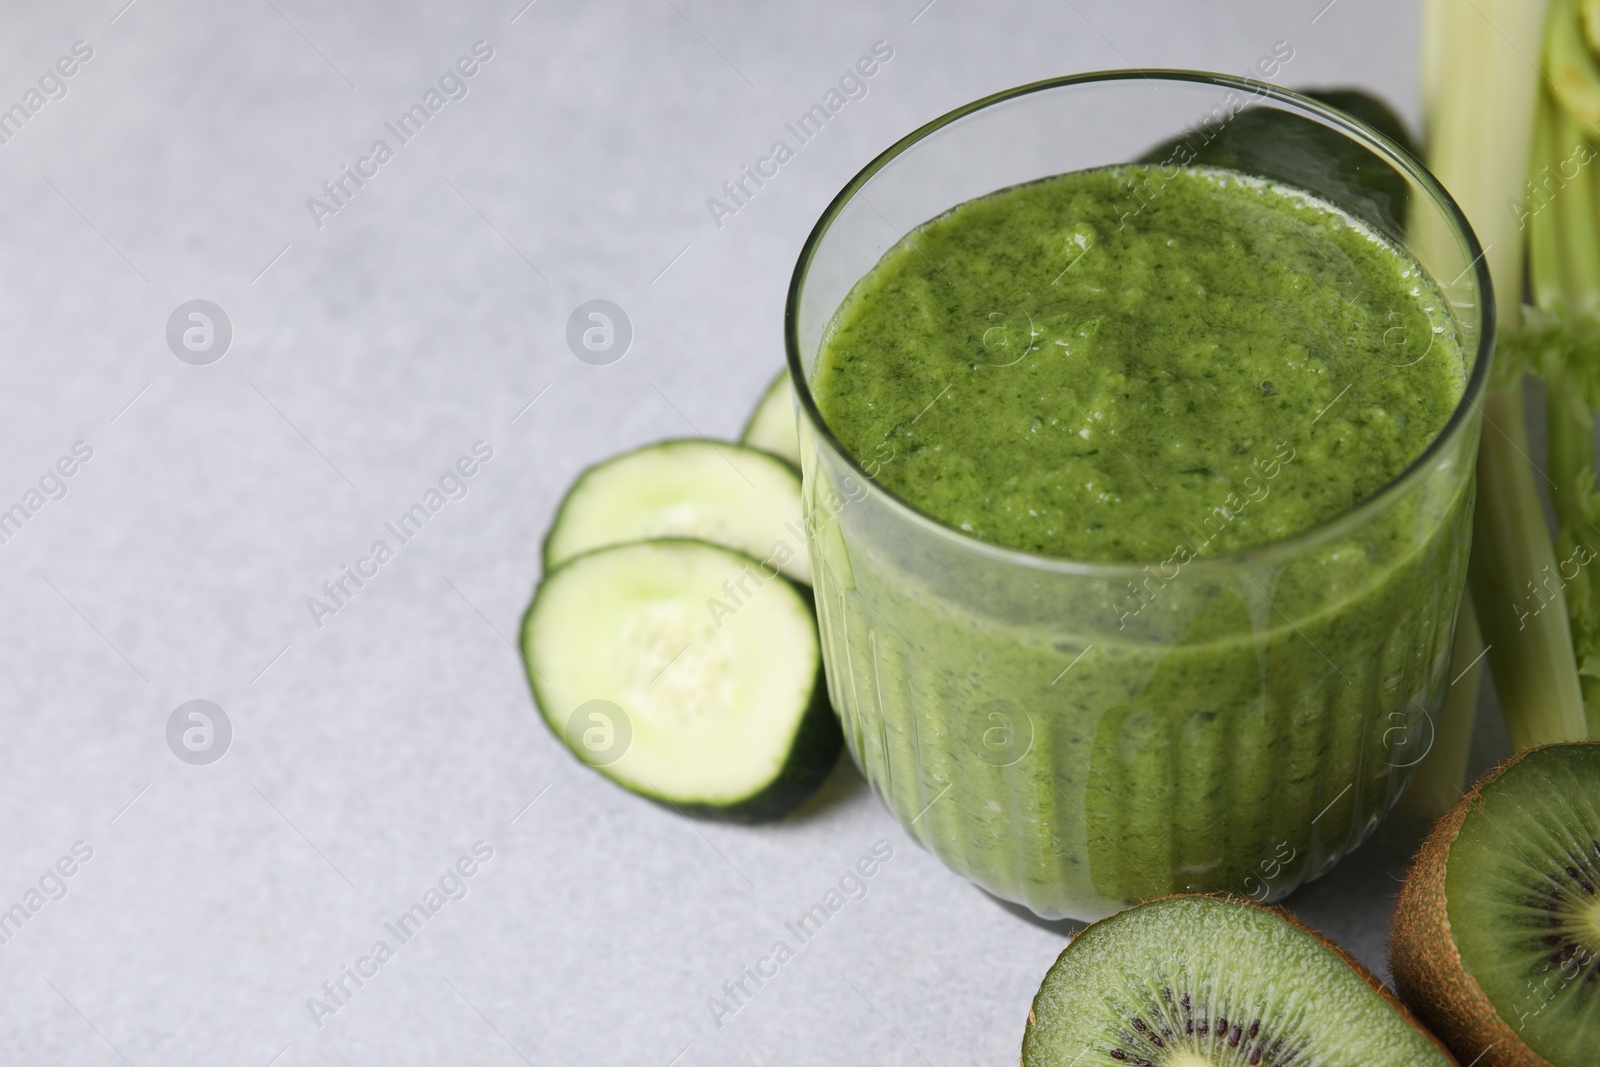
1497,934
1199,981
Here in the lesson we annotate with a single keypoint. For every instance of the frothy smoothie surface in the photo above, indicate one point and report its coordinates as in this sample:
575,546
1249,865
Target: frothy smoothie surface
1108,364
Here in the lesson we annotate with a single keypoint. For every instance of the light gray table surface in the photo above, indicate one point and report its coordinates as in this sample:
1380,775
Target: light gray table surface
368,353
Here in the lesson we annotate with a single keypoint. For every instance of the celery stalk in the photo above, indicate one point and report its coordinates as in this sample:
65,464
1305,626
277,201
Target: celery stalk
1564,257
1564,261
1531,655
1482,87
1573,76
1563,273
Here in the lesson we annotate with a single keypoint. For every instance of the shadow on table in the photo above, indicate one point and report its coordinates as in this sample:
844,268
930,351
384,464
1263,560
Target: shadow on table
1065,927
843,786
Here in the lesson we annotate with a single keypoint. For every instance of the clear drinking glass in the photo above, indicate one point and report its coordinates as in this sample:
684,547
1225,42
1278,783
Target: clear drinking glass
1248,726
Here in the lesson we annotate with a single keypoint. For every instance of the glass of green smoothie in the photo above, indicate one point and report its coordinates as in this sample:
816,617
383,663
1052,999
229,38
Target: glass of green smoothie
1138,416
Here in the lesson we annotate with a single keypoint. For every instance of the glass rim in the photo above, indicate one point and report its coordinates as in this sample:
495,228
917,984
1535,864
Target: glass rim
1329,528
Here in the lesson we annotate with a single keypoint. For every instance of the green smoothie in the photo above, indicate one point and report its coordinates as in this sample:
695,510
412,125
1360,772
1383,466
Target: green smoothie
1153,368
1107,371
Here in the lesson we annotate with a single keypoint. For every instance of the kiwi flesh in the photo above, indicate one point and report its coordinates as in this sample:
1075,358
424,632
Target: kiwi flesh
1497,932
1200,981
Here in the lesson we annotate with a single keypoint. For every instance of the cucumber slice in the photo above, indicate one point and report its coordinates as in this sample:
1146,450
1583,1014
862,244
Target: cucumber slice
712,491
650,670
771,427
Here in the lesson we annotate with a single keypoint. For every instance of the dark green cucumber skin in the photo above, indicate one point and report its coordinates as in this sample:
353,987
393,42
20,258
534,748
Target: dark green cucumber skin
555,520
813,753
817,744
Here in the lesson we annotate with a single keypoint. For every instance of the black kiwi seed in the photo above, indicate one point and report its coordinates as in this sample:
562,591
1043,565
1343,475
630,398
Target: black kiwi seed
1150,1042
1568,888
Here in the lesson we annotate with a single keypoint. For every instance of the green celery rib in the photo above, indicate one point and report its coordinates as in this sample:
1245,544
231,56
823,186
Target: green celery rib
1573,235
1590,11
1556,266
1544,248
1535,672
1564,259
1575,217
1568,65
1481,94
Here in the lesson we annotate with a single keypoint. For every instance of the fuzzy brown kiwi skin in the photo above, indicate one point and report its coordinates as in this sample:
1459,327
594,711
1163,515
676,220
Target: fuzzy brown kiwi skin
1350,961
1426,962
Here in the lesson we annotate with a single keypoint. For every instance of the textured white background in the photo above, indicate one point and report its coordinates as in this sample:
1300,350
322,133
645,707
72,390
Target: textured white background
421,318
